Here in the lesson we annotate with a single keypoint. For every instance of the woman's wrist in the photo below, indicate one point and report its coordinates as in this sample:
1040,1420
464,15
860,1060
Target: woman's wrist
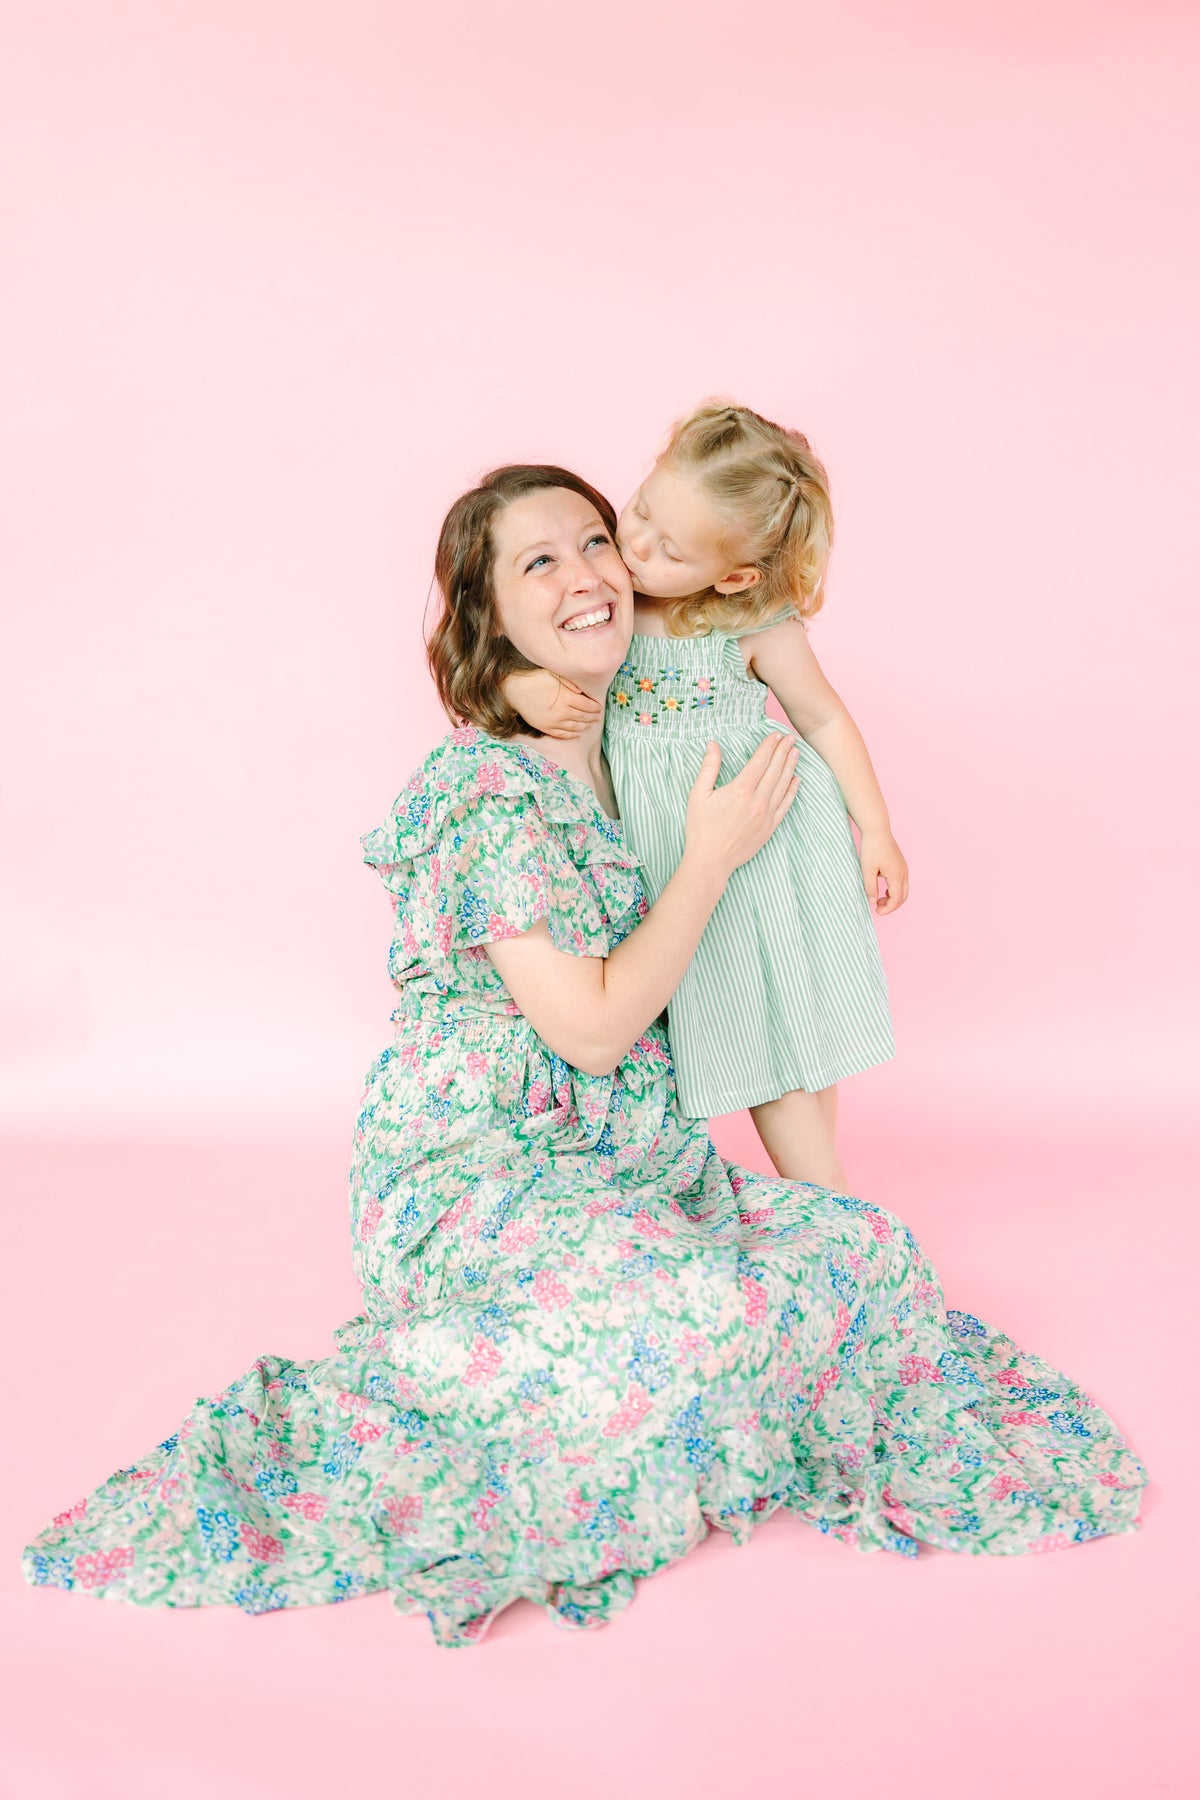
704,871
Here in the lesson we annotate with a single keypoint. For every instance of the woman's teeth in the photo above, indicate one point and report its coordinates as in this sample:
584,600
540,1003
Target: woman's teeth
582,621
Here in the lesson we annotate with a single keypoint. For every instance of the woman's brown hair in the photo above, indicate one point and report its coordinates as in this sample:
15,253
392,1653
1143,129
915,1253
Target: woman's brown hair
469,655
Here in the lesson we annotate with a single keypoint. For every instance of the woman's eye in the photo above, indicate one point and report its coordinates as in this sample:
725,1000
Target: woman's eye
533,565
599,537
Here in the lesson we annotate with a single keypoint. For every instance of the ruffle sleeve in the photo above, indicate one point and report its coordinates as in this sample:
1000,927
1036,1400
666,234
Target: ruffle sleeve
485,842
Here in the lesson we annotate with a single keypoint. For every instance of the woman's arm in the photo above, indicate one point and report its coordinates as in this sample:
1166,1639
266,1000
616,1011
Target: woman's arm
590,1009
782,657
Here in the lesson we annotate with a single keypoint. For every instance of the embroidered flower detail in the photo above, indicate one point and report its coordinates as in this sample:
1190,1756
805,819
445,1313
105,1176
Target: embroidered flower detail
620,697
646,684
705,691
645,718
671,703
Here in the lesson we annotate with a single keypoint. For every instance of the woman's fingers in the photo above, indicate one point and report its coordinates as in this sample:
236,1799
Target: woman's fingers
710,768
785,800
786,791
777,772
758,775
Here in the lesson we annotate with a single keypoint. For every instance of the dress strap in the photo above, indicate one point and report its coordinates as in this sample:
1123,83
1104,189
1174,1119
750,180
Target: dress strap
788,612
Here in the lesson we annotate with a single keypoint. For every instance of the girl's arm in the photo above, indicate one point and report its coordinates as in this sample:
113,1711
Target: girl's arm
782,657
550,703
590,1009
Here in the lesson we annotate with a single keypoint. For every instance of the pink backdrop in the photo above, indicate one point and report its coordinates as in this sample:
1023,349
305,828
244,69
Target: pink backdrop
278,282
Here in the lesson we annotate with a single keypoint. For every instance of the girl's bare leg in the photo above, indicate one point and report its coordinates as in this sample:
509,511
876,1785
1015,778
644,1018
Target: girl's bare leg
798,1133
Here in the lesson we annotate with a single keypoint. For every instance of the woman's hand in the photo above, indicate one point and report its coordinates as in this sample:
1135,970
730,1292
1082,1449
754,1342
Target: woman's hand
879,857
550,703
590,1009
727,825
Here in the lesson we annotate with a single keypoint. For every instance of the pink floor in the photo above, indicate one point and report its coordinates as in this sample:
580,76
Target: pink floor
147,1275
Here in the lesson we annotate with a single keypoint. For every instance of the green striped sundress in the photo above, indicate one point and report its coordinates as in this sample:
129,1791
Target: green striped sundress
786,990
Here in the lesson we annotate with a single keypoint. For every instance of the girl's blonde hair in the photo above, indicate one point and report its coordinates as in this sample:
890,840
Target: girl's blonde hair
773,493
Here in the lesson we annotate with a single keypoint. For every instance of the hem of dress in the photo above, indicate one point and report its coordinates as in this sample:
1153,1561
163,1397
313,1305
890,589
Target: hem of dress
728,1102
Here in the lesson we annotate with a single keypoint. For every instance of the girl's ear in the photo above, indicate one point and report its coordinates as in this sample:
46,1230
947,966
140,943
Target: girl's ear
739,581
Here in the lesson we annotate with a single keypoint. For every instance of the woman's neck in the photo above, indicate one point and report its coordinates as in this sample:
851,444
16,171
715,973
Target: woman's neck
583,757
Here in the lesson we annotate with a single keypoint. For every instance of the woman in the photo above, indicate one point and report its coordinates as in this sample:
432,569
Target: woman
586,1339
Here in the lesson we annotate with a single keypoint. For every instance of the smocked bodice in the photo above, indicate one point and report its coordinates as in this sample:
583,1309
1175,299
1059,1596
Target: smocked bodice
686,687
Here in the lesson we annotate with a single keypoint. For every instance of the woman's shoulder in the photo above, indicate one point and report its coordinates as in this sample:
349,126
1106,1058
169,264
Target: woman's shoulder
466,773
473,782
470,766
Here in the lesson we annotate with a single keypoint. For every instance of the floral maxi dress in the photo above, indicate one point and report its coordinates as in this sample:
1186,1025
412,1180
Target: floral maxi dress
585,1339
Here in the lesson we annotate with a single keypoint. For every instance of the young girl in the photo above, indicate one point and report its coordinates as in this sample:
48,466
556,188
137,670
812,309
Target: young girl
727,541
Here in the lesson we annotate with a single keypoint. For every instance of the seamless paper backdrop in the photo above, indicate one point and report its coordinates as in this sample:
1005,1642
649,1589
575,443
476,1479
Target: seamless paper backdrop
280,281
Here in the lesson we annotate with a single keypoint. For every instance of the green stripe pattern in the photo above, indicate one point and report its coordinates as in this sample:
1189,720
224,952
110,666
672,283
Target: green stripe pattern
786,990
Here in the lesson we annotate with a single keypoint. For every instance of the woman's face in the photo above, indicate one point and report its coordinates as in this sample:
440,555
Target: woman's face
563,595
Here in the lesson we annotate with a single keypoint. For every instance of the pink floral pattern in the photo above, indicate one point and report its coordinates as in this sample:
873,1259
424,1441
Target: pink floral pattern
585,1339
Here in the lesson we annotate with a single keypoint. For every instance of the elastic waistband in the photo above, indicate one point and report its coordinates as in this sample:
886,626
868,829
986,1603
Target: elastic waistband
470,1024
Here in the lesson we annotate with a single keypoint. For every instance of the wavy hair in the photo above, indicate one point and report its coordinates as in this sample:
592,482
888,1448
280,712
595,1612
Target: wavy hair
469,655
772,494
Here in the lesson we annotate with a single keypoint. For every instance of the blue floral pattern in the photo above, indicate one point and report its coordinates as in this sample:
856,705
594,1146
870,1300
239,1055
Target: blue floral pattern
585,1339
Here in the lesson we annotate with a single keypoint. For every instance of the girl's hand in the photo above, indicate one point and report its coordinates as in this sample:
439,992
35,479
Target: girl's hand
879,856
550,703
726,825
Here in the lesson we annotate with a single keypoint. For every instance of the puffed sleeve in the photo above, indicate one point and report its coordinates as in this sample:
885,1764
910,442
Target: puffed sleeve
470,858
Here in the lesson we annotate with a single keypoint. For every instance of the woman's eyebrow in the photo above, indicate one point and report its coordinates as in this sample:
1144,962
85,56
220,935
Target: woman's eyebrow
541,544
546,544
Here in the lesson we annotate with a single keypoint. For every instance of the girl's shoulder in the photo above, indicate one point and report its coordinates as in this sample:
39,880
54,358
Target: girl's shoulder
785,616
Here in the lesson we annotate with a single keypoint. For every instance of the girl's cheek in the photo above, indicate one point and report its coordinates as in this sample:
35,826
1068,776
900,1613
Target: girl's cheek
647,585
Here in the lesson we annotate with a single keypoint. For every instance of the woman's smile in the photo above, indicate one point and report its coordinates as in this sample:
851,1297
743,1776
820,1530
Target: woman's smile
592,620
558,573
